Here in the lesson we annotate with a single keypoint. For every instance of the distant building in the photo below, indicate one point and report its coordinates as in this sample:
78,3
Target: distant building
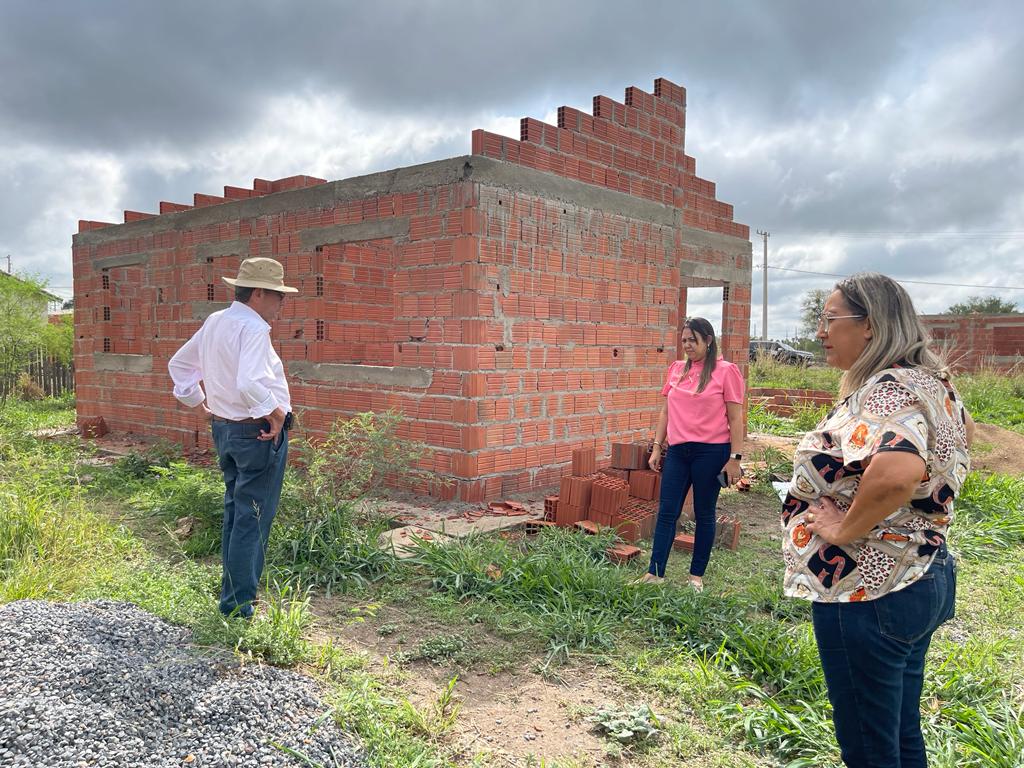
975,341
54,304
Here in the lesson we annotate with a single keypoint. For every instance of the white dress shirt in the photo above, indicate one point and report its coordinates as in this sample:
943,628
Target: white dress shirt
233,357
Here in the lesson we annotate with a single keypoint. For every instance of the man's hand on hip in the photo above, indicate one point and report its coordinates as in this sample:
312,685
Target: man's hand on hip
276,419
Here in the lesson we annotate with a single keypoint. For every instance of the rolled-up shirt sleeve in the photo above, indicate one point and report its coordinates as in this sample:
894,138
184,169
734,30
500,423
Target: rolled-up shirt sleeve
186,372
255,368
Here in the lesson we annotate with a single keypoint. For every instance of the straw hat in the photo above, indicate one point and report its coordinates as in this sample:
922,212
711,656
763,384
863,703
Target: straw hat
260,272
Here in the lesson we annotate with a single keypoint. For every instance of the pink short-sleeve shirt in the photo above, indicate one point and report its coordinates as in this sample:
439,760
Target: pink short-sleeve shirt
700,417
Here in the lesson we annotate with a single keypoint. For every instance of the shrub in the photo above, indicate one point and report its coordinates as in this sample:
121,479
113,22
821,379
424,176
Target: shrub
359,456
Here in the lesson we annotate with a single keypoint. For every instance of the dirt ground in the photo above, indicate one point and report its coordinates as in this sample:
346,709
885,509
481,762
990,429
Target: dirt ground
998,450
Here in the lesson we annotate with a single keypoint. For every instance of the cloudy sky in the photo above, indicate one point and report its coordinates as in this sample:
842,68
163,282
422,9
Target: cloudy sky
862,135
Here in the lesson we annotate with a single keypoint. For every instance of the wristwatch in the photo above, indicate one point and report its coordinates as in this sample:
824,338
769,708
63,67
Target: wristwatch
736,456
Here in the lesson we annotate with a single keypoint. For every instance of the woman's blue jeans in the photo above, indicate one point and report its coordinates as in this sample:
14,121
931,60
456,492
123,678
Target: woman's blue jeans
253,474
686,465
873,656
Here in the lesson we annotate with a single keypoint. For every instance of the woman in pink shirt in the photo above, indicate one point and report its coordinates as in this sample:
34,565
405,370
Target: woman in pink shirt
701,421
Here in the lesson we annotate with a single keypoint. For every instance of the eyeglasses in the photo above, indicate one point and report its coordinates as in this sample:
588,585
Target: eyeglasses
824,321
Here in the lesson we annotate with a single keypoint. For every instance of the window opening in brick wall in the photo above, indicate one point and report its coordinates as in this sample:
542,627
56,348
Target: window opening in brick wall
106,345
106,282
209,291
106,314
319,285
159,295
319,330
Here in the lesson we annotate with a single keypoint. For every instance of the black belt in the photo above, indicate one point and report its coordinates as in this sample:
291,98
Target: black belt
250,420
238,421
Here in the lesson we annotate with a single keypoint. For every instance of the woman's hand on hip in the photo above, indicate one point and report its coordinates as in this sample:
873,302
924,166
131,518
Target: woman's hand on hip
824,518
733,471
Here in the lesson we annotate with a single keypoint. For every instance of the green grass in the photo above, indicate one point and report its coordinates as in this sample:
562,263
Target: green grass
731,674
994,398
766,372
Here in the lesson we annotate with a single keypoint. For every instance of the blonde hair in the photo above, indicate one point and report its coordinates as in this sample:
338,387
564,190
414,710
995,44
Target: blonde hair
898,335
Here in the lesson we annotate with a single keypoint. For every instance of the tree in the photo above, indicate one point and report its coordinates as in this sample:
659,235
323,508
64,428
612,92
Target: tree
24,329
811,307
984,305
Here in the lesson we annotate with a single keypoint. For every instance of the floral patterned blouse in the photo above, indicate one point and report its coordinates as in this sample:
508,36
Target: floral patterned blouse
897,409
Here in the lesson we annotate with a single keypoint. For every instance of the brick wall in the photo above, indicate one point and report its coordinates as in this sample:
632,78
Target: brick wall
972,342
514,304
785,402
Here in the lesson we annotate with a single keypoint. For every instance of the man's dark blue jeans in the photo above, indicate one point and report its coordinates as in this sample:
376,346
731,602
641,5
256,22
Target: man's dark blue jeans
873,656
253,473
686,464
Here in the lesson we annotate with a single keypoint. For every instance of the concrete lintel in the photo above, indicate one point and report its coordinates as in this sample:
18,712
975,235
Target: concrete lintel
206,251
347,373
375,229
113,361
203,309
734,246
731,275
128,260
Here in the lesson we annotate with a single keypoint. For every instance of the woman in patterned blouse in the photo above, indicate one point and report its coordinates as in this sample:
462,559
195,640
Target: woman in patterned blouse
867,513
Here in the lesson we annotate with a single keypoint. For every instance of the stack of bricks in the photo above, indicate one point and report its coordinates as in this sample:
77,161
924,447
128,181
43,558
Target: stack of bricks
574,499
635,519
608,496
644,484
505,302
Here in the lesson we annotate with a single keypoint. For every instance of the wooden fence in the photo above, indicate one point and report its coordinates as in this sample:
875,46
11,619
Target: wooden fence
53,377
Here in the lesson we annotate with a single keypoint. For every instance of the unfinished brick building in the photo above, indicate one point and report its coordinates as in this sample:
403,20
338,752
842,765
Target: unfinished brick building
514,304
973,342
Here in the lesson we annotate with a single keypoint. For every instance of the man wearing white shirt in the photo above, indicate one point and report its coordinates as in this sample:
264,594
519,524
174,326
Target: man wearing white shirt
246,397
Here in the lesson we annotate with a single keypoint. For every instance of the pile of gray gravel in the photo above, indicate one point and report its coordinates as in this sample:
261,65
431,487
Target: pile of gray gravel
108,685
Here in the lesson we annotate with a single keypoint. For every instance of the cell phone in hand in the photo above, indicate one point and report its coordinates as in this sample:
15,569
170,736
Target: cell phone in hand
723,479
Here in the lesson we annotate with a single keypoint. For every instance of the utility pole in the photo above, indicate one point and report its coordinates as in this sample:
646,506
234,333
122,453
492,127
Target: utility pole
8,263
764,289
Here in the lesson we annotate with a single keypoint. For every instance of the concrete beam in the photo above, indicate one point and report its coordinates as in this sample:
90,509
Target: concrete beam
112,361
399,181
206,251
375,229
203,309
723,273
128,260
518,178
715,241
345,373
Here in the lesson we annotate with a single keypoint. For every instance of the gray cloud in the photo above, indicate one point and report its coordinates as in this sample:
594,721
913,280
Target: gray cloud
813,118
132,72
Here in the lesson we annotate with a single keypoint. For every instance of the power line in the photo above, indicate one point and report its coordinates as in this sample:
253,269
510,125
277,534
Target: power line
1010,234
899,280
